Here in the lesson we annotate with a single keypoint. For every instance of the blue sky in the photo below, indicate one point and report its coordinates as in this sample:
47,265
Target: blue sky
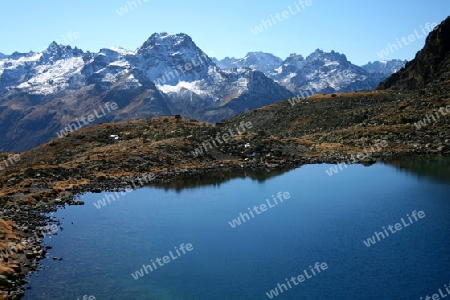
223,28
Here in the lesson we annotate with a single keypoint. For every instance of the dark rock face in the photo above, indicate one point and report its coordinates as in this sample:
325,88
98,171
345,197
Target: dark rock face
430,66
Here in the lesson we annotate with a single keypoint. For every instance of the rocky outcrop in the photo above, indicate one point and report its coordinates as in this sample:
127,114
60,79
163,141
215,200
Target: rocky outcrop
431,65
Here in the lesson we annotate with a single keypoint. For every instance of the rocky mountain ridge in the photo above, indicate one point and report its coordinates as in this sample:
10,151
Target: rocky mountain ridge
431,65
320,72
41,93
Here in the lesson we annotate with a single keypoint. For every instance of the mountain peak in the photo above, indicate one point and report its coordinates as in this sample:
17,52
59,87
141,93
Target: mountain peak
259,55
170,59
165,40
264,62
430,65
295,55
119,50
386,67
322,55
57,51
160,34
294,59
315,55
53,47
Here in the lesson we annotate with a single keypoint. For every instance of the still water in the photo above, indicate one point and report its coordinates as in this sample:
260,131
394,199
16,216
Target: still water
326,220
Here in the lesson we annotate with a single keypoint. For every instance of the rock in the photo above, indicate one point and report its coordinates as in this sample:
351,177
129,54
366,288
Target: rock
4,281
271,165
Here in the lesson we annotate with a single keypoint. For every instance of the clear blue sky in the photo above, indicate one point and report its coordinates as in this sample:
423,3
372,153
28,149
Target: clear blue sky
358,29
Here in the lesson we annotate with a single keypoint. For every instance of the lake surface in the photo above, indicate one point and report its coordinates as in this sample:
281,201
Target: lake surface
325,220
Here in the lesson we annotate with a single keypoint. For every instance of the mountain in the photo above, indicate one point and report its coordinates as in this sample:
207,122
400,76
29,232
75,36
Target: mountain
320,72
163,59
195,87
385,67
226,63
430,66
43,93
264,62
323,72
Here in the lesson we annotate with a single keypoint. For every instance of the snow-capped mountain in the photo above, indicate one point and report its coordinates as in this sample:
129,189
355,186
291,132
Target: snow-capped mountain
385,67
320,72
56,69
226,63
264,62
40,93
170,59
190,80
327,73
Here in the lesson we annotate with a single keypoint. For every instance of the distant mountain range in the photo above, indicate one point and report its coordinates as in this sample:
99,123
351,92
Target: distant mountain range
320,72
42,93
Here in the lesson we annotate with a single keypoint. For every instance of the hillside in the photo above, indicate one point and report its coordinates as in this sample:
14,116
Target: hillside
430,66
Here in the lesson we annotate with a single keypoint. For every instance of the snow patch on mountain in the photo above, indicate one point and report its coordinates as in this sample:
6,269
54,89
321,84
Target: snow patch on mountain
122,51
51,78
196,87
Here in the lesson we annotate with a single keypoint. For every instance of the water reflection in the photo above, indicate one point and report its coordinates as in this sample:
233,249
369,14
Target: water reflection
433,167
218,178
